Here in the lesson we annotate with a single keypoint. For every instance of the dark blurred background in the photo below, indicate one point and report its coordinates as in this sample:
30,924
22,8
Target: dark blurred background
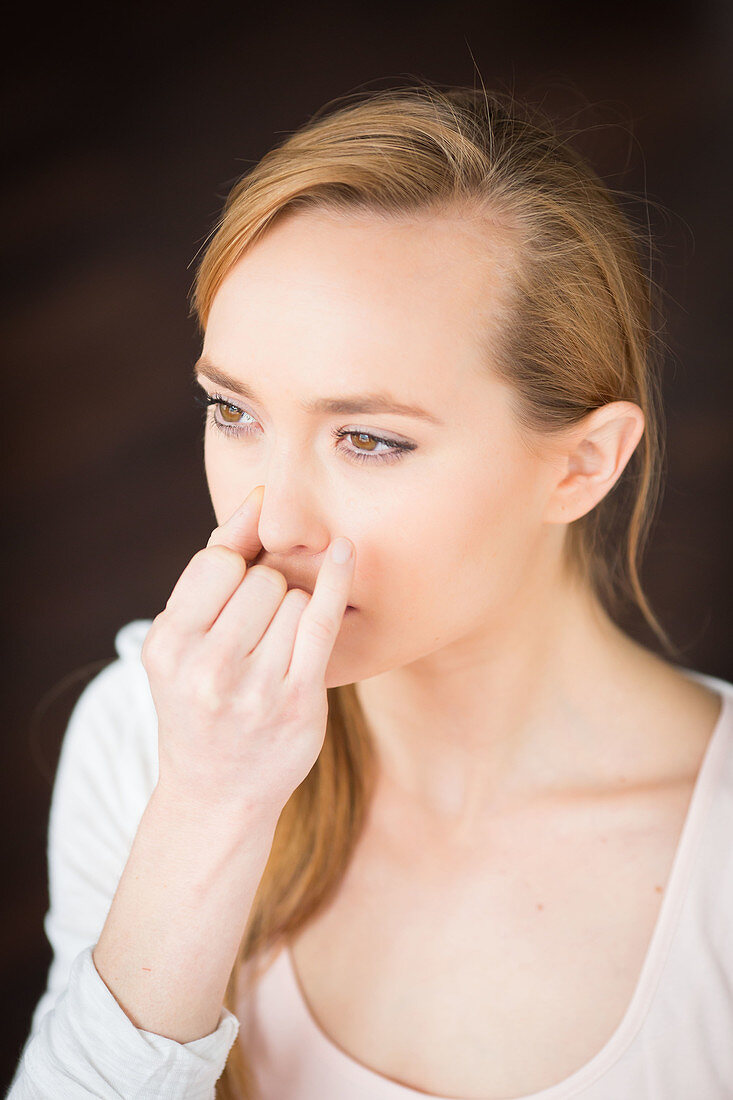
123,130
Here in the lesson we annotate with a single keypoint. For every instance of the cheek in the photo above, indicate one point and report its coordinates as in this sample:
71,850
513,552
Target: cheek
227,487
457,546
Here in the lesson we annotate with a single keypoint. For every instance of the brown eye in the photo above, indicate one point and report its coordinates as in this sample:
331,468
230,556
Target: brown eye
363,437
230,409
365,449
237,423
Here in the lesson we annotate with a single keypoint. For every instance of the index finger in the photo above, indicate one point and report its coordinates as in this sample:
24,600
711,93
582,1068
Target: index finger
209,580
239,532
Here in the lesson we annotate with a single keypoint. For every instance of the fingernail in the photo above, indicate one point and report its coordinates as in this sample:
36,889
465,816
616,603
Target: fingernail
250,500
341,550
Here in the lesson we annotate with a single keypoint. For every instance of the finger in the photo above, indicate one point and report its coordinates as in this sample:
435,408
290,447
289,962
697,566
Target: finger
247,615
239,532
209,580
321,621
275,650
215,572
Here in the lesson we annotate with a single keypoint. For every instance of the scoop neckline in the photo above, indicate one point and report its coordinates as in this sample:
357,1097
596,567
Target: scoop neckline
657,951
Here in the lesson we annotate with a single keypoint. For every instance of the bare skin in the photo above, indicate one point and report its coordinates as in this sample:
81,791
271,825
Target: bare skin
496,962
535,763
236,665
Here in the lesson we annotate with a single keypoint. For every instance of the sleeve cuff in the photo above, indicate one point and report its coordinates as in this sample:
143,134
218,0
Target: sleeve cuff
88,1039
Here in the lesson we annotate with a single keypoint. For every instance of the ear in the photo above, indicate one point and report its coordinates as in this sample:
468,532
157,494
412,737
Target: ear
591,458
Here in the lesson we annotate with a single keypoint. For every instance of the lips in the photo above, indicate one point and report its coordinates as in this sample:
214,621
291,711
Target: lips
349,607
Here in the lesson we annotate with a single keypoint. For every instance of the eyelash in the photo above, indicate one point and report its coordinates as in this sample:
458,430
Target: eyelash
398,449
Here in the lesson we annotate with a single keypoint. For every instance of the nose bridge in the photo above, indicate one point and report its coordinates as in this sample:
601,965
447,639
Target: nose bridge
290,515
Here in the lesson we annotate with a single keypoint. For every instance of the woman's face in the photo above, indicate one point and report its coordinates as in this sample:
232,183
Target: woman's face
445,511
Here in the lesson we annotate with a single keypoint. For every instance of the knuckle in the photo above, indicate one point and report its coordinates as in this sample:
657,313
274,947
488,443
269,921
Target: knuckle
298,598
156,626
154,654
301,706
206,690
321,628
221,556
201,556
255,696
332,587
147,653
271,577
152,640
298,694
293,708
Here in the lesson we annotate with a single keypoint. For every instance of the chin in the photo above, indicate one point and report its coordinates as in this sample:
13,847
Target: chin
345,665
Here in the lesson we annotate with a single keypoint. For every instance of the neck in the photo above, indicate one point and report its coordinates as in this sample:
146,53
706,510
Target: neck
524,708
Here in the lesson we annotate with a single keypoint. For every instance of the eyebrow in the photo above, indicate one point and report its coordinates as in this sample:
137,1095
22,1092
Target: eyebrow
357,403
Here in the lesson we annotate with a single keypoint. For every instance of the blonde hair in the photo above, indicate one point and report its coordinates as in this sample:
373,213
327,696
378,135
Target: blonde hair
579,333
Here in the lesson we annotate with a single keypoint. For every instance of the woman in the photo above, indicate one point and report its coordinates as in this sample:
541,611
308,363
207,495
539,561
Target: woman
423,820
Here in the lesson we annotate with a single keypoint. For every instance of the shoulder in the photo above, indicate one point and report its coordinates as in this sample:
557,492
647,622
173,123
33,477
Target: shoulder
117,700
716,771
713,791
122,680
708,841
718,756
716,683
109,754
106,773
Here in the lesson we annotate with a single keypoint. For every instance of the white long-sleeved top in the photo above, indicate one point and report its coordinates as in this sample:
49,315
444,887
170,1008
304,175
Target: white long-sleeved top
81,1042
675,1041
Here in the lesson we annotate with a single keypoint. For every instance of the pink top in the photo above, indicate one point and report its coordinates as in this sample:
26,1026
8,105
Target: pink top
675,1041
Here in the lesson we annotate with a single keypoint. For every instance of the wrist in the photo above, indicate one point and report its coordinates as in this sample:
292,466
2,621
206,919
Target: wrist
240,816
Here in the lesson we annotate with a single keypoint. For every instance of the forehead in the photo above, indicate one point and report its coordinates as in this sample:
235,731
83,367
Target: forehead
362,297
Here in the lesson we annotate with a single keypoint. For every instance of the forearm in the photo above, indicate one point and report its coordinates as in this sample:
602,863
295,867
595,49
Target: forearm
177,917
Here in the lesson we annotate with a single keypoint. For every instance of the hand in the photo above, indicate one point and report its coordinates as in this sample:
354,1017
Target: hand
236,665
